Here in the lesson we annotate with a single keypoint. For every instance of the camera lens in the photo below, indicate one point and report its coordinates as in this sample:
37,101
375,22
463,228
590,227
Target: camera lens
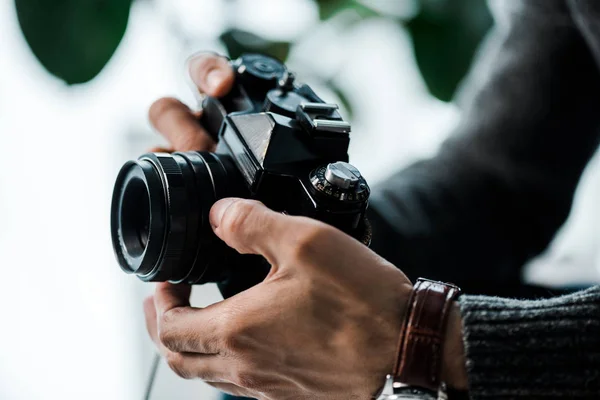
135,217
159,217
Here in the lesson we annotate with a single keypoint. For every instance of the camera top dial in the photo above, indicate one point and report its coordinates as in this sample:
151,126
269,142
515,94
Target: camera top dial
258,72
340,181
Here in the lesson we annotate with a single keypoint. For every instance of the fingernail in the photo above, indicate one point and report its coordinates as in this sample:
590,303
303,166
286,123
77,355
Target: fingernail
217,211
214,77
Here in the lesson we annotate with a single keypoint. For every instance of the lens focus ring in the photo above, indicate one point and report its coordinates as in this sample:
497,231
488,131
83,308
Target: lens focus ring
176,222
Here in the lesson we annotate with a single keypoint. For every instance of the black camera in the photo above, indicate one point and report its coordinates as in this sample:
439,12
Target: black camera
278,143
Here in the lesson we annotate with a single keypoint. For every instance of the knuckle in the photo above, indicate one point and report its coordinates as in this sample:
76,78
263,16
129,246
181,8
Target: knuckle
308,241
237,339
171,316
247,378
237,215
206,374
209,345
166,338
234,342
175,362
161,106
166,333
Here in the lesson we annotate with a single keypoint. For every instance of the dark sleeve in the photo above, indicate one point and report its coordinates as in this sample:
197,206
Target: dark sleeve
533,349
503,183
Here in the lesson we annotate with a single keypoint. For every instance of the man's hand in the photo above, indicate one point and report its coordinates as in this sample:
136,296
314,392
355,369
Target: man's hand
324,324
176,122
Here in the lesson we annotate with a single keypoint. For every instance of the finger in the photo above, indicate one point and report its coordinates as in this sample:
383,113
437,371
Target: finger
176,339
181,328
250,227
161,150
210,368
150,316
176,122
231,389
212,74
152,324
168,296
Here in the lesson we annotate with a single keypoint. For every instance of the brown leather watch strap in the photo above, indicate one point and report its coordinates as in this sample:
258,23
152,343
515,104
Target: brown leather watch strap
420,349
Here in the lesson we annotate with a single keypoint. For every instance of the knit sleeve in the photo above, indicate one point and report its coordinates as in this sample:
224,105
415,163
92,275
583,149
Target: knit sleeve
531,349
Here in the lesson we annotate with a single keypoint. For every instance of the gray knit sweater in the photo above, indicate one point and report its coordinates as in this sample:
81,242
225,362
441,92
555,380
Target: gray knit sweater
496,194
533,349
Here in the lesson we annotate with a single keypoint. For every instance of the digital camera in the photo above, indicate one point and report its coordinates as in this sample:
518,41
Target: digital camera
278,143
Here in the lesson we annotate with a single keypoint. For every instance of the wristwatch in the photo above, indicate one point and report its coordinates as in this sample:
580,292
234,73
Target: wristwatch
417,371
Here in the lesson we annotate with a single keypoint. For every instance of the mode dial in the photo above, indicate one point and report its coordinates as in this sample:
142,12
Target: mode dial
342,175
340,181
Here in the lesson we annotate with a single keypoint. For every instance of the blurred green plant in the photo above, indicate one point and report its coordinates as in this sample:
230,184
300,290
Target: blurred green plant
445,35
329,8
238,41
75,39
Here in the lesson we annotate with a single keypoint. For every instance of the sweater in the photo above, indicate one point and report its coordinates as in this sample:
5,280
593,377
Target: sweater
533,349
497,192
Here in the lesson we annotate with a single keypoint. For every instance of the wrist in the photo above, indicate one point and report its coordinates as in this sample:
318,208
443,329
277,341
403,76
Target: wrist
454,370
431,339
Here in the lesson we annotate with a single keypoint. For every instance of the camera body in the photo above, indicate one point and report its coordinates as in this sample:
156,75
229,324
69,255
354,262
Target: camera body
278,143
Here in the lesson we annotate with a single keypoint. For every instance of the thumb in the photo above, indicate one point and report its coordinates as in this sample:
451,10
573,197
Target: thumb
250,227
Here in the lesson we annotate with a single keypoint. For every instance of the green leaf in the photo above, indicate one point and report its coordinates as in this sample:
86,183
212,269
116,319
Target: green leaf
239,42
445,35
329,8
73,39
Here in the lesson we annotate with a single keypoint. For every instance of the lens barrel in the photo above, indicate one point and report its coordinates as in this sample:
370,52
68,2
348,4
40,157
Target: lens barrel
159,217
